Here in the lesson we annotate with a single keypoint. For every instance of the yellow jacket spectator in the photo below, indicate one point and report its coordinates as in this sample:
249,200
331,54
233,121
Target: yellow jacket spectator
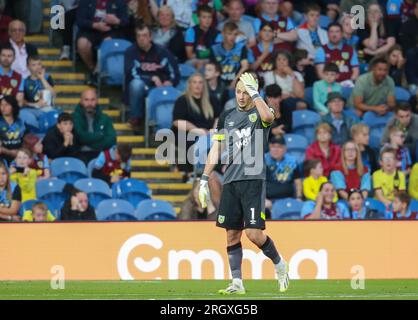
388,179
315,178
413,182
39,213
23,175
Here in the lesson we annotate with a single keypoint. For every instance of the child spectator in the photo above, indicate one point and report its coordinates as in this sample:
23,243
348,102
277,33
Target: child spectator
314,178
323,149
388,179
113,164
260,56
396,64
23,175
351,174
39,213
10,196
326,206
400,208
200,38
217,88
358,209
77,207
360,133
232,56
40,160
38,88
413,182
310,35
397,142
322,88
60,140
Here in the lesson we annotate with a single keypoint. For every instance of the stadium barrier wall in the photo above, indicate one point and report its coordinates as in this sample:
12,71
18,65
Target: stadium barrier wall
196,250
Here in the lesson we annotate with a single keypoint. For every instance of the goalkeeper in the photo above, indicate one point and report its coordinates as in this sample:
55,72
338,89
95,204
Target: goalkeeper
244,131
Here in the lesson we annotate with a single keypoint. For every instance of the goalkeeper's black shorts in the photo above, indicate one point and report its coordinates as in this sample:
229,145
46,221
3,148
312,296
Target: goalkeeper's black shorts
242,205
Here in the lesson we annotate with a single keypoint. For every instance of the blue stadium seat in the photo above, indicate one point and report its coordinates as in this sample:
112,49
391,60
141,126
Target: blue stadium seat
96,189
52,191
186,70
324,21
352,114
347,92
155,210
413,206
304,123
90,168
309,95
248,18
111,61
377,125
48,120
376,205
287,209
159,109
296,146
132,190
402,94
30,121
68,169
115,210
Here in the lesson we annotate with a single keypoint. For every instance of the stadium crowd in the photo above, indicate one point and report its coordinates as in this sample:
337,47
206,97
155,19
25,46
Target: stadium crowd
344,144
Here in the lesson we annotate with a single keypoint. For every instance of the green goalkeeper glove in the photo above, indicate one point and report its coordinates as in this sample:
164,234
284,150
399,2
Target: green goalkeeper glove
250,84
204,191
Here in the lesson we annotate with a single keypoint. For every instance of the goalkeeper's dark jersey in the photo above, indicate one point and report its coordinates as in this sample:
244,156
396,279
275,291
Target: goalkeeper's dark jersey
245,136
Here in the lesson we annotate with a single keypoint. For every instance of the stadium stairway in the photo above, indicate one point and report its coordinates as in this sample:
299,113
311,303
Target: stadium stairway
165,185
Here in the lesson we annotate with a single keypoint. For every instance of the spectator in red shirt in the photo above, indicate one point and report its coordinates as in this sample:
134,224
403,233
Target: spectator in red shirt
11,82
324,149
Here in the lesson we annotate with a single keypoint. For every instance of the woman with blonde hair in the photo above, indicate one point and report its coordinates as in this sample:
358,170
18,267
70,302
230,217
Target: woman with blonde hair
194,112
351,173
168,35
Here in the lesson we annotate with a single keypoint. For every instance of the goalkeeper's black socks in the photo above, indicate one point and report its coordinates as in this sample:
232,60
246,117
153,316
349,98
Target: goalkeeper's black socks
270,251
235,260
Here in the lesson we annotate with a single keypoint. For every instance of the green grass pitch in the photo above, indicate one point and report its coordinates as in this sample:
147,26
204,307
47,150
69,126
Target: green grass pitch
207,289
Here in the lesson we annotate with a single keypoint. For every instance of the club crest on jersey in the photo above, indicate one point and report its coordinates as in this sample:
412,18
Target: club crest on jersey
282,24
13,83
221,219
345,55
253,117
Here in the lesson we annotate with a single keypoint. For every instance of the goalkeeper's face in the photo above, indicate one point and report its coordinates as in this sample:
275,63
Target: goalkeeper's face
243,98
